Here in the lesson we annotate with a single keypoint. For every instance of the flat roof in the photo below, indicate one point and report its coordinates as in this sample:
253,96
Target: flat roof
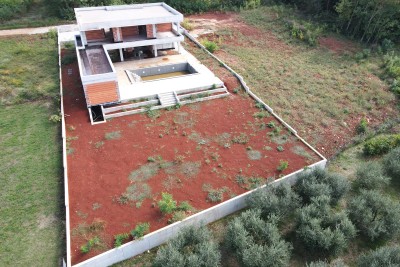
91,18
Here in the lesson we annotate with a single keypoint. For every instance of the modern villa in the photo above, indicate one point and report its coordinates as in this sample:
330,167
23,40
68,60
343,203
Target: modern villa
131,59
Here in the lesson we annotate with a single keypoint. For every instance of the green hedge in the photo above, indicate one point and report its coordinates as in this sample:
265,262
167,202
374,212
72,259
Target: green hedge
10,8
381,144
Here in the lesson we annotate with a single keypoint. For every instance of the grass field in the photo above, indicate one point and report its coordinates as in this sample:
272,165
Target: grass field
321,92
31,194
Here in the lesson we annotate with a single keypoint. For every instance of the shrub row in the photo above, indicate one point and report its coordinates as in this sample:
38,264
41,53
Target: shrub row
10,8
381,144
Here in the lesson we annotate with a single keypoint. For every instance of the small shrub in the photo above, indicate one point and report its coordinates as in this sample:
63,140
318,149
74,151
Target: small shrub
140,230
91,243
187,25
381,144
153,113
370,176
120,239
282,165
321,230
167,204
362,127
55,118
280,148
215,195
210,45
384,256
391,163
185,206
192,247
271,124
261,114
177,216
376,216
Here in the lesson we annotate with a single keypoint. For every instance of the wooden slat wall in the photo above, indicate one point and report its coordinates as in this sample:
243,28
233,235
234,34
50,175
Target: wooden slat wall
95,35
149,30
99,93
130,31
165,27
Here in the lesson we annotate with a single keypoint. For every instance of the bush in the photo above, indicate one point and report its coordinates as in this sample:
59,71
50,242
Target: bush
167,204
140,230
385,256
256,242
335,263
210,45
282,165
120,239
381,144
91,243
376,216
321,183
192,247
362,127
279,201
391,163
370,176
323,231
392,65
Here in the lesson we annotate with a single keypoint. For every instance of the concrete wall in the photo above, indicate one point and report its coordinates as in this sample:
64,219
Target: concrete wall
159,237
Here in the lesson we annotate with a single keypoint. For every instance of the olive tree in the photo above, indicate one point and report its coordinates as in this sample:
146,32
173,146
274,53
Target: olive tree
256,242
376,216
370,176
321,183
391,163
321,230
384,256
280,200
192,247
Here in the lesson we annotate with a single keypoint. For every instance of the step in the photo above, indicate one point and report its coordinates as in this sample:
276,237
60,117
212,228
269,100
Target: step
184,102
131,106
213,91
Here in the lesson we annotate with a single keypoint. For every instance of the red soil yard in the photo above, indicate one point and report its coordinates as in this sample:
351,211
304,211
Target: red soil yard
118,170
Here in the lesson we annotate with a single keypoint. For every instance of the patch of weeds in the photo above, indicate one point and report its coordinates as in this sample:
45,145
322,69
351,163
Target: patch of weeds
135,193
249,183
95,228
209,45
113,135
215,156
299,150
280,148
172,182
99,144
236,90
223,139
120,239
282,165
243,138
70,150
271,124
157,158
259,105
179,159
153,113
167,204
261,114
145,172
206,187
277,130
140,230
267,148
71,128
279,139
91,243
362,126
240,179
196,137
96,206
81,214
215,196
185,206
254,155
190,169
177,216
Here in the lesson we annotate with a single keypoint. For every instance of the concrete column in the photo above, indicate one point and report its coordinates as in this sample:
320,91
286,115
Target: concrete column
155,51
178,47
84,40
121,54
154,31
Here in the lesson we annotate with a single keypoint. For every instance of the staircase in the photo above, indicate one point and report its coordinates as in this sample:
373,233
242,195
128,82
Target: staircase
168,99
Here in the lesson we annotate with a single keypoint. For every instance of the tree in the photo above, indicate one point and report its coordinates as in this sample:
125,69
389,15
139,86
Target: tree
391,163
256,242
322,230
192,247
167,204
377,216
385,256
321,183
370,176
280,200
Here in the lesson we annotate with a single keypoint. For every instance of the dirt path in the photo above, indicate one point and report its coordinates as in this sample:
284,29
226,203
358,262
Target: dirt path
28,31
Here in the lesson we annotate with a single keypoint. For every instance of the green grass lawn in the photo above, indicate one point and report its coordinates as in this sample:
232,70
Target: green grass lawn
32,227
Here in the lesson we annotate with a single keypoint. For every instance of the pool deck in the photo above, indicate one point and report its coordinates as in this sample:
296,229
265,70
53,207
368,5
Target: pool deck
128,91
